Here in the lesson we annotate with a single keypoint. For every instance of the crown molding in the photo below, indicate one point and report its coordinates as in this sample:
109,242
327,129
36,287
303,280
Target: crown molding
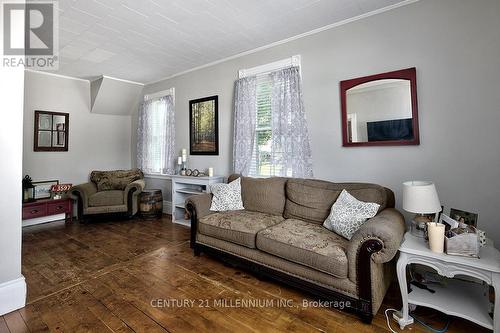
289,39
56,75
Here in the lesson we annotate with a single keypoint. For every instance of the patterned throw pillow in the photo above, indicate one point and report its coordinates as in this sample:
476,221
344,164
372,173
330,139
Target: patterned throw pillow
226,196
348,214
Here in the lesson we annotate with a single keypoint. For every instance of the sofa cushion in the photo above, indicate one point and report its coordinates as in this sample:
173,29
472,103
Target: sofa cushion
308,244
311,200
106,198
115,180
239,227
264,195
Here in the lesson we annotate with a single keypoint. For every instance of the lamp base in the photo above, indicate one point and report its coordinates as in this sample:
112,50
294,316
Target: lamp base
419,225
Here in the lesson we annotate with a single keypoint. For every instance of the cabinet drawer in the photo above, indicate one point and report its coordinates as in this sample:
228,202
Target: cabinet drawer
57,208
34,211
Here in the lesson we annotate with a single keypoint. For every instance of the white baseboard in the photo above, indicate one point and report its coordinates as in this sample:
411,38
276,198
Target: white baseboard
167,207
44,219
12,295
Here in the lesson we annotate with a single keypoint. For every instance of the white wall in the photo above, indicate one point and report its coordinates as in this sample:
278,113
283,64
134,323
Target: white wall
455,47
96,141
12,285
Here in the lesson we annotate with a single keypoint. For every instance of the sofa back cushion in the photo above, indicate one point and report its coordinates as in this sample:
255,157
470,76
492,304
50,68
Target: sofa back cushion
263,195
115,179
311,200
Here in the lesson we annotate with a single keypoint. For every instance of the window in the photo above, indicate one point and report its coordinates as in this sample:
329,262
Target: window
263,155
156,134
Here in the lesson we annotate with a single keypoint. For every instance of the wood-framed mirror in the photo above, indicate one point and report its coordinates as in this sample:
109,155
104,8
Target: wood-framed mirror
51,131
380,110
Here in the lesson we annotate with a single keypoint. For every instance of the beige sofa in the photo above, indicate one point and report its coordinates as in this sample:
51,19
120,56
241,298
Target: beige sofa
114,191
280,235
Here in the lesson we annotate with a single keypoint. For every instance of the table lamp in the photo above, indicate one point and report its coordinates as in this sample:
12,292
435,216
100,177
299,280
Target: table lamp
421,198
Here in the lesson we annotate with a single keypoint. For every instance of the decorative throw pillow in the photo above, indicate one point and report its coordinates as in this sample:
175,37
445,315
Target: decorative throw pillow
226,196
348,214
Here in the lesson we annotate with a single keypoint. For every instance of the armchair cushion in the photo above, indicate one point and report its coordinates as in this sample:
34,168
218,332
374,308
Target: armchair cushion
116,179
106,198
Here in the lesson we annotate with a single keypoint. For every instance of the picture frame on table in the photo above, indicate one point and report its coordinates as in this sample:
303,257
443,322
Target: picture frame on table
43,189
468,218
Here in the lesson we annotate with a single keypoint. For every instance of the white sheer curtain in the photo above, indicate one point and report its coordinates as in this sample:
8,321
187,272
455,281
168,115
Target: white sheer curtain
245,114
290,139
156,136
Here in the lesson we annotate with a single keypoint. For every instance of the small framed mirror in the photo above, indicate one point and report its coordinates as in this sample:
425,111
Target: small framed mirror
380,110
51,131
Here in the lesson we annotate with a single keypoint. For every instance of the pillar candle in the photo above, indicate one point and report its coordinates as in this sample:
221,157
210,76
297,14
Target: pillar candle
210,172
436,236
179,160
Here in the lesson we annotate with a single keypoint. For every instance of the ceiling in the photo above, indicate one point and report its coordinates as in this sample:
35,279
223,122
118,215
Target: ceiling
146,40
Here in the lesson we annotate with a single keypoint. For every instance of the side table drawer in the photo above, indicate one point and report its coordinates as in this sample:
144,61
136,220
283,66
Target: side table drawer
58,207
34,211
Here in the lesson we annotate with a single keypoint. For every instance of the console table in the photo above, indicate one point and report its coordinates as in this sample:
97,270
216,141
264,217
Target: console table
459,298
46,207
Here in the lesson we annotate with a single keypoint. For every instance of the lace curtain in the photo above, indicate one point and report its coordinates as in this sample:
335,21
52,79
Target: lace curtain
156,136
290,139
245,114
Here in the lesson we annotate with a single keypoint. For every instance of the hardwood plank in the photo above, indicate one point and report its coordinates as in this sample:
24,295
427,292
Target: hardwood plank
15,322
3,326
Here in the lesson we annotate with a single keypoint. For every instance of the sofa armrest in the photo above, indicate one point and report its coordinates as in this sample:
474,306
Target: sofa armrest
200,203
83,191
386,229
197,206
131,195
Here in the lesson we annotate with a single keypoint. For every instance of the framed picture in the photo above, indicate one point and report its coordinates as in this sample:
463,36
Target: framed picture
51,131
204,126
463,216
43,189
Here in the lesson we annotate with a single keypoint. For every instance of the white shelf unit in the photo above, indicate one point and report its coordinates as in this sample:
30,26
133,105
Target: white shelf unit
458,298
185,186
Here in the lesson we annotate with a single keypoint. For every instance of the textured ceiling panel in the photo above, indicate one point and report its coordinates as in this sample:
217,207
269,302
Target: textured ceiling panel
145,40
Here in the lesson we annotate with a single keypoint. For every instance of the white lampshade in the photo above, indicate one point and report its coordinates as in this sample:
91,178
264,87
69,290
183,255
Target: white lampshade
420,197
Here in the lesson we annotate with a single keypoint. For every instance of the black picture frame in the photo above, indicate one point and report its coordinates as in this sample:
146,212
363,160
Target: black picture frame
204,141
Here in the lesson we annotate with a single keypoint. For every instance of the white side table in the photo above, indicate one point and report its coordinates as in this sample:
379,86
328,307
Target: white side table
457,298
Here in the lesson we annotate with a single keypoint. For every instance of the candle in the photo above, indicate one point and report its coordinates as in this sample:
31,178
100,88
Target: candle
179,160
210,172
184,158
184,151
436,236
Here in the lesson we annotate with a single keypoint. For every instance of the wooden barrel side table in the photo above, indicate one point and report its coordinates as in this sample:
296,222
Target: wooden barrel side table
151,203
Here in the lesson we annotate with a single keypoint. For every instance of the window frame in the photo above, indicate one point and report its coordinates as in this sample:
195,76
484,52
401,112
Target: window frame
152,97
260,71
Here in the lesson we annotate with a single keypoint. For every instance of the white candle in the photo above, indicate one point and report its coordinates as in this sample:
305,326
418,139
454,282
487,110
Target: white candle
210,172
436,236
184,158
184,151
179,160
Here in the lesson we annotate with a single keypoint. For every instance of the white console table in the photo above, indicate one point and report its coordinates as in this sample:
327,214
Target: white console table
459,298
183,187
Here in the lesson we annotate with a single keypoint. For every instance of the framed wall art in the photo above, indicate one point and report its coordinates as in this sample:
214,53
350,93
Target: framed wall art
204,126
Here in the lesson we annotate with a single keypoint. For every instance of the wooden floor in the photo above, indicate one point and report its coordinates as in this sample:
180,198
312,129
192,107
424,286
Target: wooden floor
112,276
